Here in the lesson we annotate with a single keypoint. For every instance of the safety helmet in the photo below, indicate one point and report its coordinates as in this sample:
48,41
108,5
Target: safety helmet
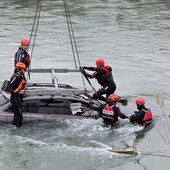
100,62
140,101
25,42
20,65
114,98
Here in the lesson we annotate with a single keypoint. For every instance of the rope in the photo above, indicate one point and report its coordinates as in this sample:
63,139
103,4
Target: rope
153,154
34,30
72,38
167,130
70,31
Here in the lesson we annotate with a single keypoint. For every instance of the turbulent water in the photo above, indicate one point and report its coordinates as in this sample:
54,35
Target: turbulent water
133,36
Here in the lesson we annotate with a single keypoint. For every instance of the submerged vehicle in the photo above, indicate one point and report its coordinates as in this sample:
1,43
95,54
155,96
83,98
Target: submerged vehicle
50,101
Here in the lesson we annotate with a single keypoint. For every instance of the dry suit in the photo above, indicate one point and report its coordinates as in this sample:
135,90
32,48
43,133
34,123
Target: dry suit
22,56
111,113
142,117
105,79
17,83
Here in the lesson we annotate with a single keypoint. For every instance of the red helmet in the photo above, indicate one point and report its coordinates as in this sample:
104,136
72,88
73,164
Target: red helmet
20,65
25,42
100,62
140,101
114,98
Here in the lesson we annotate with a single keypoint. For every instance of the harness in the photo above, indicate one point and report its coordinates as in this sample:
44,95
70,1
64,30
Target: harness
106,78
107,69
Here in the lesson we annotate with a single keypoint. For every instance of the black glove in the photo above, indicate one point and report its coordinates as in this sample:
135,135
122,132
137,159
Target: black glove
127,117
82,70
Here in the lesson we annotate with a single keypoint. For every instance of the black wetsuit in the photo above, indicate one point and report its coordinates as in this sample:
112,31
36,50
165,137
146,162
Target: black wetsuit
112,119
17,83
104,78
108,119
22,56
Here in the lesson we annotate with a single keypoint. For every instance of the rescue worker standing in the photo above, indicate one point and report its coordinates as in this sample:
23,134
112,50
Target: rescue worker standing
103,74
143,116
17,83
111,112
21,55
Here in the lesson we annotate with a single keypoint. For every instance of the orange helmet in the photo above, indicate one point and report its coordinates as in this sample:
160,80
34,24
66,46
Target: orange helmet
140,101
25,42
20,65
114,98
100,62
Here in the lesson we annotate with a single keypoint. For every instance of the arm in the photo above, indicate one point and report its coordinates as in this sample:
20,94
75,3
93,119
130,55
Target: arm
90,68
85,73
121,115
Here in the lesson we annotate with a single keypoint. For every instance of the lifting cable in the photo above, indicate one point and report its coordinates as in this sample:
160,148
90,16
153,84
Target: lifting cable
34,30
72,38
166,125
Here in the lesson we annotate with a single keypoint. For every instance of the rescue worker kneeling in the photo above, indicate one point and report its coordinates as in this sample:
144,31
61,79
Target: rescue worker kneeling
111,112
143,116
16,85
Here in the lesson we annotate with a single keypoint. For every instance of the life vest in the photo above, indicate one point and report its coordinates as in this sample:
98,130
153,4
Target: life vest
106,78
108,112
148,117
22,56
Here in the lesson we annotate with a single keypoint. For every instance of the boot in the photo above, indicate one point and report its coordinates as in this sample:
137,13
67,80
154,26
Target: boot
19,122
13,122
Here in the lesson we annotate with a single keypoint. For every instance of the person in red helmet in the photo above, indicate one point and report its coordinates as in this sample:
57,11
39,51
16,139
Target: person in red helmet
143,116
21,55
111,112
103,74
16,85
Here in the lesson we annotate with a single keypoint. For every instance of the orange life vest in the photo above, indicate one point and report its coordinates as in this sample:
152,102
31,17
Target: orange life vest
148,117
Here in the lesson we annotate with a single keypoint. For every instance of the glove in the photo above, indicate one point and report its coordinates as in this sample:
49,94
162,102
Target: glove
22,92
82,70
127,117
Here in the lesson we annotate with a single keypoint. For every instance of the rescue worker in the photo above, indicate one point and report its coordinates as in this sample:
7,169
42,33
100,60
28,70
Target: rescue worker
143,116
16,85
21,55
111,112
103,74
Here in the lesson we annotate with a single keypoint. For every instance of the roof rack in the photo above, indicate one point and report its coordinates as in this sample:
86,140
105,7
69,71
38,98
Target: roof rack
58,87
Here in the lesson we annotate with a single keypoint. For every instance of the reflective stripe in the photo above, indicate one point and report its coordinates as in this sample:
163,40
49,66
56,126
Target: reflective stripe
21,86
108,112
13,80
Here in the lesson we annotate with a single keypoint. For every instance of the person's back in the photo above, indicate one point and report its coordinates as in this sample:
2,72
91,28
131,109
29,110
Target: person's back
111,112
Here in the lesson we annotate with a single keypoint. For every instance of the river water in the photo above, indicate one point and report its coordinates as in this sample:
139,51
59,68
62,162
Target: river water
133,36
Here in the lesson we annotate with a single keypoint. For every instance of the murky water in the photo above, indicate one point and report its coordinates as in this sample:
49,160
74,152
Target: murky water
133,36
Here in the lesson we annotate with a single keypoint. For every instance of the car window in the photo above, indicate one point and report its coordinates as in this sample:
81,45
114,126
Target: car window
47,106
